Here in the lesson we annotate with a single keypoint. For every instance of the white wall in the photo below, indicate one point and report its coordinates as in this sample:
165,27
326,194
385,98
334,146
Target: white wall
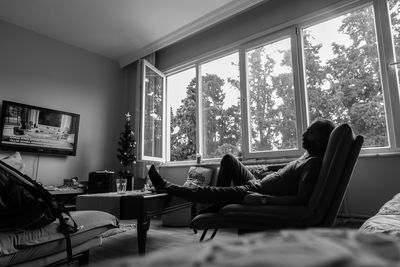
375,180
264,18
43,72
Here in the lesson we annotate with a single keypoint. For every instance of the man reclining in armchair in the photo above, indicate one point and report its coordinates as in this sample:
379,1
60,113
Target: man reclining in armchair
291,185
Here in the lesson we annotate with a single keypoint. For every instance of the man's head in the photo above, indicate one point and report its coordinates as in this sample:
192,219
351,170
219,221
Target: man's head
315,138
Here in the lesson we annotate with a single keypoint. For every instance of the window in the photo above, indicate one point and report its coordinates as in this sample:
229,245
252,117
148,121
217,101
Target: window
182,88
271,105
394,13
256,99
343,77
153,130
220,107
219,110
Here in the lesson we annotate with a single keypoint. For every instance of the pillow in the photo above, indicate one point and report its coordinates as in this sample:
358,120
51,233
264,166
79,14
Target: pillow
198,176
15,161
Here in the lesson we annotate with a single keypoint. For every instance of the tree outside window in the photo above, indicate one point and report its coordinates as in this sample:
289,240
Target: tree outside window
271,97
343,77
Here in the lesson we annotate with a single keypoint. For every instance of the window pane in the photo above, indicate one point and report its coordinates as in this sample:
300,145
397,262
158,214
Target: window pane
182,108
271,97
343,74
221,107
153,110
394,12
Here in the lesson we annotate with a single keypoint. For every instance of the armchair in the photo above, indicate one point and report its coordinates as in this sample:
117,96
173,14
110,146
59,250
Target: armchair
322,208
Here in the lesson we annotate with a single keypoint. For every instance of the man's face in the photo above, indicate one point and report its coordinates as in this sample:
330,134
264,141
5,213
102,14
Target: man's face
312,138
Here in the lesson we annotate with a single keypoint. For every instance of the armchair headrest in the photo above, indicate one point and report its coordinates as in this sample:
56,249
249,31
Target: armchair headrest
334,162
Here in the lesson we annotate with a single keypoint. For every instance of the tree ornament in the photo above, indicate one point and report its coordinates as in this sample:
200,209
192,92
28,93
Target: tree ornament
128,116
126,155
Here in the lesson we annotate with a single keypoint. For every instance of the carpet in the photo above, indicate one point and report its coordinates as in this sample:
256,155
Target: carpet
122,242
122,228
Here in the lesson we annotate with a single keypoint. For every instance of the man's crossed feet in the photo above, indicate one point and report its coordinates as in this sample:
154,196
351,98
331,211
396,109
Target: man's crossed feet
159,183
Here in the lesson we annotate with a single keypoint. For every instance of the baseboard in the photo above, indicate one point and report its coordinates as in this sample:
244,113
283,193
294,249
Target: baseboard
360,217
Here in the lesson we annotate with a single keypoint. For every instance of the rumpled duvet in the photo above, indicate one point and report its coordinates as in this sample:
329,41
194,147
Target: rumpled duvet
387,220
375,244
286,248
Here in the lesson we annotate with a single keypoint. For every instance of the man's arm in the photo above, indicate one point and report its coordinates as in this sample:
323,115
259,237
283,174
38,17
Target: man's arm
308,177
298,200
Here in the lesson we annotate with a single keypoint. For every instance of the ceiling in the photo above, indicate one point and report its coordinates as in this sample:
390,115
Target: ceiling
123,30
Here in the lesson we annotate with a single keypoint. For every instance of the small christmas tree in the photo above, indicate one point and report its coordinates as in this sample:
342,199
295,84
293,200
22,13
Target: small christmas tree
127,146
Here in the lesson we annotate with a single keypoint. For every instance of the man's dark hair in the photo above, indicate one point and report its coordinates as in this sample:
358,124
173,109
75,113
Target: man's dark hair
325,127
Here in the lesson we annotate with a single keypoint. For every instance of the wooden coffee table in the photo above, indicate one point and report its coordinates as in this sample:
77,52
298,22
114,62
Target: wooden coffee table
133,205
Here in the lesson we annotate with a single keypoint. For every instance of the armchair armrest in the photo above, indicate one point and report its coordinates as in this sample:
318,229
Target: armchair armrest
264,211
276,167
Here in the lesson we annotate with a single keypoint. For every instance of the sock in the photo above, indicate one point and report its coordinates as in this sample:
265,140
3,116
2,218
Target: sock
158,182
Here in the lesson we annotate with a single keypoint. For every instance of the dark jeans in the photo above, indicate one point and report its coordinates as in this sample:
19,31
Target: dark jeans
231,171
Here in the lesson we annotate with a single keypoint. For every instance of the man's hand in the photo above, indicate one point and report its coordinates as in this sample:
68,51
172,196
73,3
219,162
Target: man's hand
253,199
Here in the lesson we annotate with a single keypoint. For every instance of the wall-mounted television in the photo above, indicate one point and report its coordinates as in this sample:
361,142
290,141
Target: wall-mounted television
37,129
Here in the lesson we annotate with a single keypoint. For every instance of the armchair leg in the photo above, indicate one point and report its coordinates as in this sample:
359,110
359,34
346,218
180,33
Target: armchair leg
214,233
193,213
203,234
84,259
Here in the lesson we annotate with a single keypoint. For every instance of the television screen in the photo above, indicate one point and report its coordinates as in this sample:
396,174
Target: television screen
37,129
50,118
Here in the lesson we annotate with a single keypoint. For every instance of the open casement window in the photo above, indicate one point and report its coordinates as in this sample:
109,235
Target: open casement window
153,130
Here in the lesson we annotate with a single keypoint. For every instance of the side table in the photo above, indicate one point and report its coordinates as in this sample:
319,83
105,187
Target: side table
133,205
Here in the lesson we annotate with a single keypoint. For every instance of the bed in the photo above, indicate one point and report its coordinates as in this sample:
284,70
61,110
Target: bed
376,243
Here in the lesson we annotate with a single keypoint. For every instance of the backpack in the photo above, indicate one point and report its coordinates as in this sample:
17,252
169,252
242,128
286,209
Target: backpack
25,204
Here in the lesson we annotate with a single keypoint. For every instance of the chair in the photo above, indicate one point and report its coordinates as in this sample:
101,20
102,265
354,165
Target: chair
321,211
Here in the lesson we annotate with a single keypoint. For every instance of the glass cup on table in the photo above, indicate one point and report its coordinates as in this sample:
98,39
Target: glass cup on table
121,185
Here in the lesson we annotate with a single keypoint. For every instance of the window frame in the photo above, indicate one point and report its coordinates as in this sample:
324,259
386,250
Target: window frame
199,116
274,37
389,72
168,115
389,80
383,39
200,128
145,64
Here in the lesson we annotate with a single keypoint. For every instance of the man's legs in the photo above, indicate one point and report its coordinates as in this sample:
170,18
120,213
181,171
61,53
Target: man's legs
210,194
232,170
206,194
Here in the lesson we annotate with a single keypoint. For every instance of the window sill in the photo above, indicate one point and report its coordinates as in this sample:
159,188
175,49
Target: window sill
383,154
215,162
